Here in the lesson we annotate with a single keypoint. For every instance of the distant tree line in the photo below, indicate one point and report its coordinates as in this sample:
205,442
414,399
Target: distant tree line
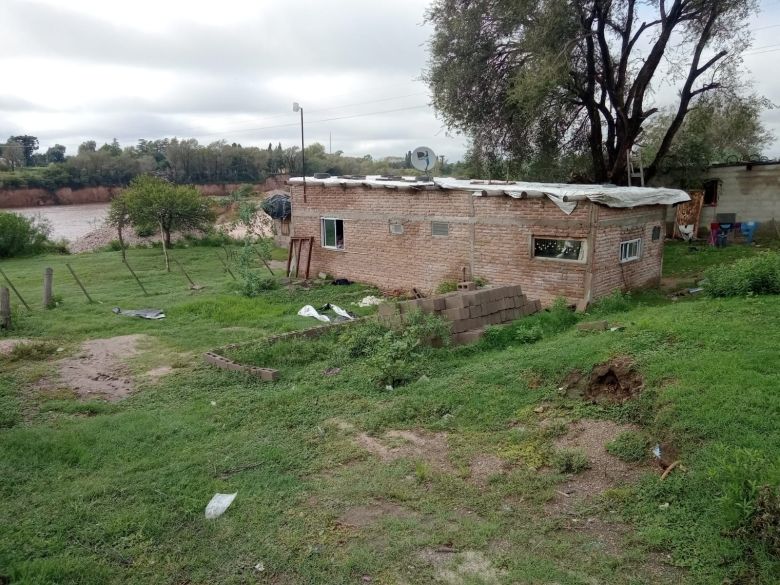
183,161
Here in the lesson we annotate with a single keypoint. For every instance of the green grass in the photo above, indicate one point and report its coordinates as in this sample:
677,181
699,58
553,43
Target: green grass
689,261
108,493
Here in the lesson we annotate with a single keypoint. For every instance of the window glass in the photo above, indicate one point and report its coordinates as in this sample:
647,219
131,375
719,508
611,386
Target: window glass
630,250
333,233
559,249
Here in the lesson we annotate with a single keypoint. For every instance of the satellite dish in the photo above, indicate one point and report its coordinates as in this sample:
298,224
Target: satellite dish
423,159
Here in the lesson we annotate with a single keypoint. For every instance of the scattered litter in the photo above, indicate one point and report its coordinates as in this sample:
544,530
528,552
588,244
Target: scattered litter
369,301
309,311
213,403
424,379
341,312
322,276
259,567
657,451
693,291
142,313
331,371
389,387
60,349
664,506
540,409
617,328
342,282
218,504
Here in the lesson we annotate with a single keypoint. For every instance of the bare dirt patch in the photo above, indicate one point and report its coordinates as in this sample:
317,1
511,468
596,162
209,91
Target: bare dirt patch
365,515
483,467
99,369
460,568
616,380
431,448
606,471
156,373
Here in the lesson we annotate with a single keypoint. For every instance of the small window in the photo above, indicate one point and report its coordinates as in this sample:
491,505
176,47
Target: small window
333,233
630,250
396,228
656,233
440,228
711,192
573,250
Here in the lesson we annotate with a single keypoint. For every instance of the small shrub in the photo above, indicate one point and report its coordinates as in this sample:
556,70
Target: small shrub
528,334
616,302
748,276
629,446
570,461
446,286
396,356
22,236
254,283
480,282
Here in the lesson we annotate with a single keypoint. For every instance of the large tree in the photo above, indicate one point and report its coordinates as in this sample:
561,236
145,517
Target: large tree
539,77
28,145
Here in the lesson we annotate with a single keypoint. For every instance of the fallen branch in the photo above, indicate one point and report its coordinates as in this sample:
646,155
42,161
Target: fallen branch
669,469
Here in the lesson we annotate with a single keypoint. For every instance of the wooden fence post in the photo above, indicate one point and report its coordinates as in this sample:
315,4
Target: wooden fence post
5,308
13,288
48,278
78,282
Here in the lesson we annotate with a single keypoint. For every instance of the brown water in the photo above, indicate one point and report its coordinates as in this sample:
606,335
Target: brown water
69,221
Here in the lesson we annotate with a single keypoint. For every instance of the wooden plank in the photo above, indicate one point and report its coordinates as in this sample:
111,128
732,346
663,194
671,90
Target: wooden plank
308,260
81,286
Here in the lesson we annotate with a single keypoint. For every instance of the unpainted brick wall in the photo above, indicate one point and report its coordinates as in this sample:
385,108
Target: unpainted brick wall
491,236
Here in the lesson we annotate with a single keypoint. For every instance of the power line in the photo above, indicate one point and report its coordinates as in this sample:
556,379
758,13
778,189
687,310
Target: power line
309,122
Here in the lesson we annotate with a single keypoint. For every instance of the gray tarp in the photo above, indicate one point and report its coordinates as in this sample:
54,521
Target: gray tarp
563,195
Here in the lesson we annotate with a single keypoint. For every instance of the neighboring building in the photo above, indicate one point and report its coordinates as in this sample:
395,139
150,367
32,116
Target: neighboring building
575,241
751,190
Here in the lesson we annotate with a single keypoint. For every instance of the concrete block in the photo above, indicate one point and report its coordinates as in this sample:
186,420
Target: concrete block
593,326
454,301
426,305
387,309
439,303
476,311
582,306
467,285
459,326
467,337
269,374
456,314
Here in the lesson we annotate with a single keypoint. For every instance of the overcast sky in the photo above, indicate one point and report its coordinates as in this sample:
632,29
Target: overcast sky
130,69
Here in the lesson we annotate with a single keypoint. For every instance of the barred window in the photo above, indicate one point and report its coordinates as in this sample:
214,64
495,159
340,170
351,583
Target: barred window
333,233
440,228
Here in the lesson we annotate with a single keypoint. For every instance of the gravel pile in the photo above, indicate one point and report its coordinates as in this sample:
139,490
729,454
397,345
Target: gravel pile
102,237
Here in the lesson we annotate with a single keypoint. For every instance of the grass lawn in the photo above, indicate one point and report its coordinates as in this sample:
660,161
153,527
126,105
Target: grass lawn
470,473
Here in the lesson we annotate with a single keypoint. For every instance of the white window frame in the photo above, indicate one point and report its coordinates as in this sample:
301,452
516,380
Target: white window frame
335,231
625,247
583,260
444,223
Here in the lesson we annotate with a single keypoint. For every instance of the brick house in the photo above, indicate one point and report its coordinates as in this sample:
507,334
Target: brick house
576,241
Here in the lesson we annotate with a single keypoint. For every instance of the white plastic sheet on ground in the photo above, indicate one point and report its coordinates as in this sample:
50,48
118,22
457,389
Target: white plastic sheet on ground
342,312
309,311
370,301
218,504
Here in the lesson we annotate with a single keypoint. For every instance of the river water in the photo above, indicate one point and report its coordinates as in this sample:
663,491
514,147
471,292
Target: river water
68,221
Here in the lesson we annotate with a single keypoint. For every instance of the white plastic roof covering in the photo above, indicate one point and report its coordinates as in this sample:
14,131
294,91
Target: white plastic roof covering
563,195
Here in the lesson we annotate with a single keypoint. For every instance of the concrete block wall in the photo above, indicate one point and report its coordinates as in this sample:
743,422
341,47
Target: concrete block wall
468,311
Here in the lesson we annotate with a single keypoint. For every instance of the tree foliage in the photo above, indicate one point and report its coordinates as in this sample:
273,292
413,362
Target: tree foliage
152,201
538,79
20,236
720,129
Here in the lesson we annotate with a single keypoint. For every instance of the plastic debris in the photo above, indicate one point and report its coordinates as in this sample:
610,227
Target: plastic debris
341,312
153,314
218,504
309,311
657,451
370,301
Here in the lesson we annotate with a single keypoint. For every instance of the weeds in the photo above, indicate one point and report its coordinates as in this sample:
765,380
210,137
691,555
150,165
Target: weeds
630,446
759,275
570,461
531,329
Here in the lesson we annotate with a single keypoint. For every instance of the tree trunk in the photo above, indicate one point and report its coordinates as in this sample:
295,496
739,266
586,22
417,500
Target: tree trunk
166,240
121,242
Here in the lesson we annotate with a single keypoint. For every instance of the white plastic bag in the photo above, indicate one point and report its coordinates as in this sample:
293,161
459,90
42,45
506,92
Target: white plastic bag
218,504
309,311
342,312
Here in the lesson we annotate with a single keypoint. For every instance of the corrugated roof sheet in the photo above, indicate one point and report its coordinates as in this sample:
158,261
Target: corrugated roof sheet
563,195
